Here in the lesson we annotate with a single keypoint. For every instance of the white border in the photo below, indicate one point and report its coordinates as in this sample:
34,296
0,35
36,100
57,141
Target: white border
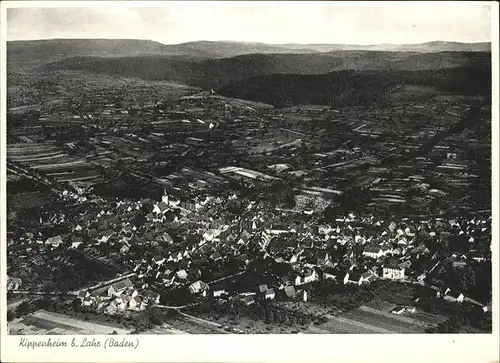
266,348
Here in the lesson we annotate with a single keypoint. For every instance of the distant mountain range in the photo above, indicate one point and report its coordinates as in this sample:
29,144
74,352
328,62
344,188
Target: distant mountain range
26,55
276,74
218,72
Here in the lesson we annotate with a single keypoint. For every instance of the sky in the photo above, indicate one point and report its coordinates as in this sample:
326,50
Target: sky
294,22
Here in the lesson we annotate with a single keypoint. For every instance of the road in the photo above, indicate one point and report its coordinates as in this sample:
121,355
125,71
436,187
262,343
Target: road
20,170
175,307
225,277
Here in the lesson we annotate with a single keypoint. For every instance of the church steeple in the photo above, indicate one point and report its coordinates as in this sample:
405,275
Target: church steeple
164,198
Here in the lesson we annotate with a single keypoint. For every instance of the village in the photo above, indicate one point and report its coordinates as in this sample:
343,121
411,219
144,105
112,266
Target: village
197,247
147,197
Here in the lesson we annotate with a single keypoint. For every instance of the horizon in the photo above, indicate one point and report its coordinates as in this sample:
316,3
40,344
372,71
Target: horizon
250,22
253,42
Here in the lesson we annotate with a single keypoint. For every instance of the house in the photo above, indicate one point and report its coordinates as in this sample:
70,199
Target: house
247,300
411,309
398,310
330,273
106,236
353,278
158,260
161,208
216,256
181,274
136,303
87,301
152,297
55,241
219,292
198,287
245,236
373,252
124,249
289,291
263,288
83,295
76,244
298,280
324,229
393,271
310,276
119,287
277,230
98,303
270,294
454,296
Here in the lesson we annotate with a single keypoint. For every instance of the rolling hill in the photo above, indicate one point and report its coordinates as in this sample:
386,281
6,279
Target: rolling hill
429,47
26,55
219,72
363,88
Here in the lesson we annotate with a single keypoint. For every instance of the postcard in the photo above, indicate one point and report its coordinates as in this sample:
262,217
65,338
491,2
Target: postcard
249,181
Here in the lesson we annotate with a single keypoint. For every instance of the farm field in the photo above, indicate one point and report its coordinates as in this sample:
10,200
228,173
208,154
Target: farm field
250,326
164,329
309,308
45,322
392,324
53,161
375,317
188,326
338,325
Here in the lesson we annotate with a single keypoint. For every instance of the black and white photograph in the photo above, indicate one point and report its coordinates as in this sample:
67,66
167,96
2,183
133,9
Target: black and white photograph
248,168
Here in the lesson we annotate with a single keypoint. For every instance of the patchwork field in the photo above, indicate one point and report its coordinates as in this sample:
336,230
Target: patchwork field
376,317
43,322
53,161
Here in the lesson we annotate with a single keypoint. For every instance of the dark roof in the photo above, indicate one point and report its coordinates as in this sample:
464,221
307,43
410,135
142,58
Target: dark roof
123,284
393,265
454,294
162,206
372,249
354,277
108,233
331,271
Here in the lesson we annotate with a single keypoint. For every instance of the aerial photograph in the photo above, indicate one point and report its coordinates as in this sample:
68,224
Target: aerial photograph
249,169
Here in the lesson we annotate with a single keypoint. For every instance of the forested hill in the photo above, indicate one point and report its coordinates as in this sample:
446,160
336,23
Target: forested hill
348,88
217,73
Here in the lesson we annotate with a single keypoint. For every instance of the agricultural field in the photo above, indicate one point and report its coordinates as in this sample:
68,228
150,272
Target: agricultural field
52,161
43,322
375,317
362,322
26,89
164,329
